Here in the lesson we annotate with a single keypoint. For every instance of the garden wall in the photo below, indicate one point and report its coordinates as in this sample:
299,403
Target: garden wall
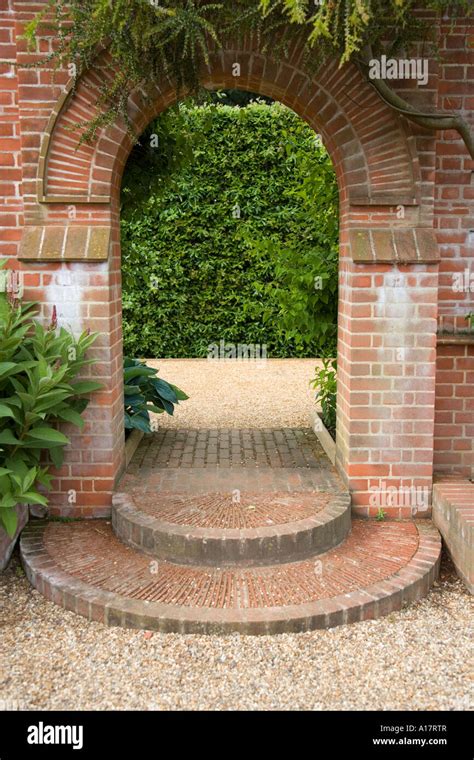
60,228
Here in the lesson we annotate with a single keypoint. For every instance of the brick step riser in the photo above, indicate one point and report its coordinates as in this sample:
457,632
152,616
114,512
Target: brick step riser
287,544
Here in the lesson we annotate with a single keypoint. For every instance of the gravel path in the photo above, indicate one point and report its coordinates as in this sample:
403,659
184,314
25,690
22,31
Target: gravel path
416,659
240,394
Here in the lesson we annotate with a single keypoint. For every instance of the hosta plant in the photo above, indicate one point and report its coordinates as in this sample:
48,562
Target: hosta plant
325,384
145,393
38,389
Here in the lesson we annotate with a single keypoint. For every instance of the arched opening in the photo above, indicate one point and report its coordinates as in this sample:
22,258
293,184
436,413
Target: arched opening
397,213
229,236
229,239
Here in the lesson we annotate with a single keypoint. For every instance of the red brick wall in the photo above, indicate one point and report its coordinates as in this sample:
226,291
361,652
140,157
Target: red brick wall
454,226
11,205
454,417
388,273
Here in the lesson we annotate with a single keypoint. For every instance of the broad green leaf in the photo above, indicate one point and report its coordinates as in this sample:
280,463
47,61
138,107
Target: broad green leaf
70,415
7,437
5,411
57,456
86,386
33,497
49,435
9,519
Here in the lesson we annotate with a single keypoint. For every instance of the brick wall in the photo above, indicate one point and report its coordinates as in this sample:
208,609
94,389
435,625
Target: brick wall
11,204
61,201
454,227
454,417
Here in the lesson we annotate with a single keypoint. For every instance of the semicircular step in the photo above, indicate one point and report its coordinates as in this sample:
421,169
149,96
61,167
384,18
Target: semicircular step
83,567
228,529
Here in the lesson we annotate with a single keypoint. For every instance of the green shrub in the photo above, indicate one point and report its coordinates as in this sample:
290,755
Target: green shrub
145,393
38,367
326,384
194,272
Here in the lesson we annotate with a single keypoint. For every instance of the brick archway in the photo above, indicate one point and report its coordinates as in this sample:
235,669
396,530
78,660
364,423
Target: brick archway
388,264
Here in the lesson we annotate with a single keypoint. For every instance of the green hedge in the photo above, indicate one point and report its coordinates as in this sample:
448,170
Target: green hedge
194,273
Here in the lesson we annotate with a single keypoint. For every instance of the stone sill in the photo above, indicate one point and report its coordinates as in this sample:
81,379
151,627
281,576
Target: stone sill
324,437
131,445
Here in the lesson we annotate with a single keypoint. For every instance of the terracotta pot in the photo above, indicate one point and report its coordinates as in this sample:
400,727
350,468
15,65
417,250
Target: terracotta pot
7,544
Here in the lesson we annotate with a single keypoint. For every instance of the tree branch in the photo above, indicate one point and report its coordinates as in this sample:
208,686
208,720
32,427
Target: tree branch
435,120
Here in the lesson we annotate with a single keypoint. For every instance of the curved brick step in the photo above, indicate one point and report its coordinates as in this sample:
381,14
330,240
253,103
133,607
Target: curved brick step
230,529
85,568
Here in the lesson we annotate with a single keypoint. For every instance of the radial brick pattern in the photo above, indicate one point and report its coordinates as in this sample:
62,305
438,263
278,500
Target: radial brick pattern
211,497
231,510
91,553
84,567
231,528
211,554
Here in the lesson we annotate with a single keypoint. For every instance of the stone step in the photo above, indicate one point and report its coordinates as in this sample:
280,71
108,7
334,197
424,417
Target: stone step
83,567
231,528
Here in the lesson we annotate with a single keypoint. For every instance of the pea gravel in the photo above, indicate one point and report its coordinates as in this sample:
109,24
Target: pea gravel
240,394
417,659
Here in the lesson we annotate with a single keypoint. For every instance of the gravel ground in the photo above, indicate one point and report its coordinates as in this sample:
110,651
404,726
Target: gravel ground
416,659
236,394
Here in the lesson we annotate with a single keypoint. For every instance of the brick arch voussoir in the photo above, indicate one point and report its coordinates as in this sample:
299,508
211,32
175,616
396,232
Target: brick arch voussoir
374,159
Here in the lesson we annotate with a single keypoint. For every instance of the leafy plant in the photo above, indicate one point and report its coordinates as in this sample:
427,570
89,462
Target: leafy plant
381,514
145,393
301,300
38,367
326,384
146,40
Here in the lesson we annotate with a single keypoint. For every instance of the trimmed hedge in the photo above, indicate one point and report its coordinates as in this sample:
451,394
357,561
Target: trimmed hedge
225,226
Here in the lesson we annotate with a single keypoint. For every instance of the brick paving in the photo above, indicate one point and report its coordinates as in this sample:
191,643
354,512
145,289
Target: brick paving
218,531
91,553
226,447
240,511
222,460
85,568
